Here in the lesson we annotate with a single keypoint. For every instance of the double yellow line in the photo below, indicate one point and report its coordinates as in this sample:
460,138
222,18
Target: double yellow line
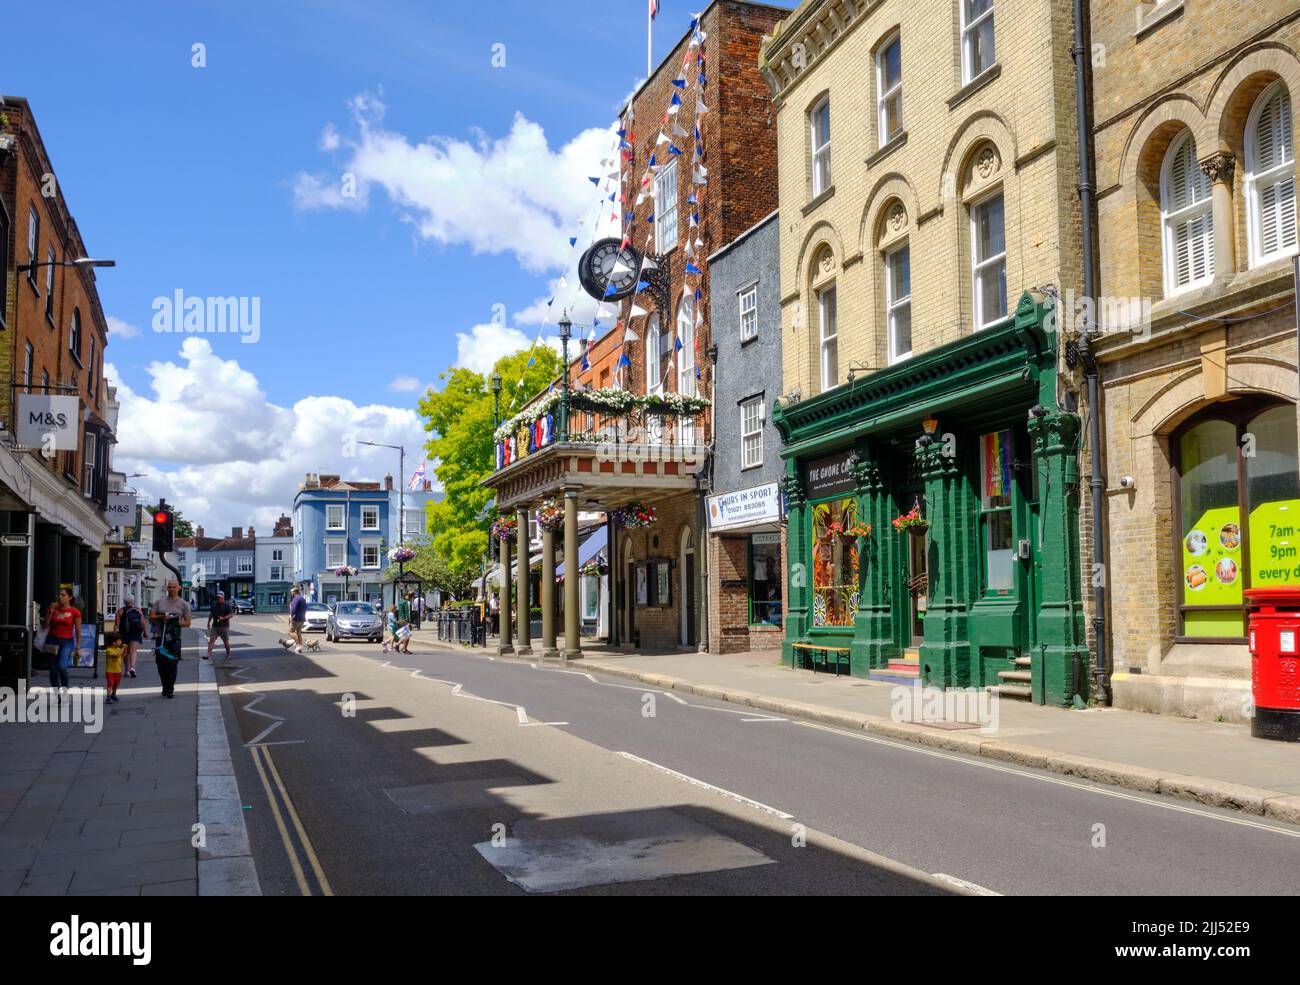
277,796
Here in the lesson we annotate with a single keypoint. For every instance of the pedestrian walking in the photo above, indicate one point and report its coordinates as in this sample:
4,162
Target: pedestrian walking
297,617
219,617
114,653
403,625
170,615
132,629
390,628
63,622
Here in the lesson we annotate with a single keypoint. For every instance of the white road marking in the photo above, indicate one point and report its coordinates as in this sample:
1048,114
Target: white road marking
522,715
975,888
1059,781
765,719
709,786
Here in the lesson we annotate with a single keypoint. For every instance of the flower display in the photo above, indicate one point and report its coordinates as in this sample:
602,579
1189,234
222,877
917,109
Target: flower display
594,568
858,530
505,528
911,521
550,517
345,571
633,516
605,400
400,555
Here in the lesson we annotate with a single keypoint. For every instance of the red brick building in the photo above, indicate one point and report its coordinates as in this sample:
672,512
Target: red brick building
52,340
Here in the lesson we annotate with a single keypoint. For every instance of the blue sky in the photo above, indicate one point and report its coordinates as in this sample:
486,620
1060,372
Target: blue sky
225,180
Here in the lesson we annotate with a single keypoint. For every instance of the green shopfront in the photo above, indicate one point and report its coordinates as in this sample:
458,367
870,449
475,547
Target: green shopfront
971,437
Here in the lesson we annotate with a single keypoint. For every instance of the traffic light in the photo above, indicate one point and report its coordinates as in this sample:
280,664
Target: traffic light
164,530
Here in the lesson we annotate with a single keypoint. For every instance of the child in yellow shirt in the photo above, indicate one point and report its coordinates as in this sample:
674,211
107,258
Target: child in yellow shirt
114,651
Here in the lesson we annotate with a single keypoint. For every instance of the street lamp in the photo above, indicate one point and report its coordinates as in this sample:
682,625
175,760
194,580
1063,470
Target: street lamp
566,330
496,400
401,486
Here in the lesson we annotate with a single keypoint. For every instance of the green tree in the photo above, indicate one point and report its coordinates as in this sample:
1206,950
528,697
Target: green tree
181,526
458,418
436,571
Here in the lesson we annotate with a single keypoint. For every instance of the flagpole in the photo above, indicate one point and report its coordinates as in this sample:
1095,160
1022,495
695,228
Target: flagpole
649,38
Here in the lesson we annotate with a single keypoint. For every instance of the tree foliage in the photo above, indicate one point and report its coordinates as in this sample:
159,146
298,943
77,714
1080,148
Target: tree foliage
458,418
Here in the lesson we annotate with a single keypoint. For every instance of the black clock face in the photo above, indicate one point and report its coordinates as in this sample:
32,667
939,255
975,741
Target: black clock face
596,270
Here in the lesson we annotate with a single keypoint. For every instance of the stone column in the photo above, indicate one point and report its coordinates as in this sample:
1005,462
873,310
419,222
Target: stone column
524,647
873,634
504,646
572,645
1219,169
799,559
1062,653
953,567
548,595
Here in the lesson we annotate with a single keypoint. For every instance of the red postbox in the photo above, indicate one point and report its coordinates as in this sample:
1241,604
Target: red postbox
1275,662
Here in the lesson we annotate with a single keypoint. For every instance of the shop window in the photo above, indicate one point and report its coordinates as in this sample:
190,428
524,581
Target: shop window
765,579
1230,464
995,512
835,563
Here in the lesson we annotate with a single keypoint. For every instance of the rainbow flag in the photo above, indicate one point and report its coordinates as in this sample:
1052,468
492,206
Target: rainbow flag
997,464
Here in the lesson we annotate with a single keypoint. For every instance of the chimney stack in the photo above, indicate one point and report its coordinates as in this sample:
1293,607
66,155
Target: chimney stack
388,482
236,532
198,531
252,533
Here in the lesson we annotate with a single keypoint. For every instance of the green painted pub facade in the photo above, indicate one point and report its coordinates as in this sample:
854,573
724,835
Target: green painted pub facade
972,435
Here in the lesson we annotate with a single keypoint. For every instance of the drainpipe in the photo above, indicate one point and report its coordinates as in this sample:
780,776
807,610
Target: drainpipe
1097,484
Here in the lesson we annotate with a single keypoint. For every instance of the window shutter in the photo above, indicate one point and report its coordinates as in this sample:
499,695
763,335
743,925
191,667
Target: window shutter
1273,149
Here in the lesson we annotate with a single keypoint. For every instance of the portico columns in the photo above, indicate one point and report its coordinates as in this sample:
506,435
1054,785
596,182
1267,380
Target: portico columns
873,635
522,594
504,646
548,594
1219,168
572,646
951,508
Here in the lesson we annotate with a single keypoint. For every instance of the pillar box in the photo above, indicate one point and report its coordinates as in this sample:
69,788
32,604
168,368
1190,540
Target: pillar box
1275,662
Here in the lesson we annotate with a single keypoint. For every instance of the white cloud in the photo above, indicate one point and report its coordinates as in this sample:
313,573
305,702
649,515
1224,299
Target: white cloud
404,384
118,329
329,138
512,194
213,444
480,347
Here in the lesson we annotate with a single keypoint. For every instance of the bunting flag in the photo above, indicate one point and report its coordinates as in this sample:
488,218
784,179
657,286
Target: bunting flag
418,476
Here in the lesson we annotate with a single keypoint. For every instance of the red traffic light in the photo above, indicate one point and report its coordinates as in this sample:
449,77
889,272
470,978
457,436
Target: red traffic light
161,517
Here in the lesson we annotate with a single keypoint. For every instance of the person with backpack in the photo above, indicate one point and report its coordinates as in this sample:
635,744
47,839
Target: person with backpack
131,627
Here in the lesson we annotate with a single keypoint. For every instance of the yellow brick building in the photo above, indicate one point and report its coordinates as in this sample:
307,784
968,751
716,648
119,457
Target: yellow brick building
1192,106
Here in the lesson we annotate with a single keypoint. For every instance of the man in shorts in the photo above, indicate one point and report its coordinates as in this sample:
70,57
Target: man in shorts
297,617
219,617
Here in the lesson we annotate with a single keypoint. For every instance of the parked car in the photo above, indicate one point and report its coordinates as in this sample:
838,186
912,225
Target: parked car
352,620
243,607
318,616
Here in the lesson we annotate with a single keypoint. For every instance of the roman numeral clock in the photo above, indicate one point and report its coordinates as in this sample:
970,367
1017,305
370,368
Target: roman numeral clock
598,277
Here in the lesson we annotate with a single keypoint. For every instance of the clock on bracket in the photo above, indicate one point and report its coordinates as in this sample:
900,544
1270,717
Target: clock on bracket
596,270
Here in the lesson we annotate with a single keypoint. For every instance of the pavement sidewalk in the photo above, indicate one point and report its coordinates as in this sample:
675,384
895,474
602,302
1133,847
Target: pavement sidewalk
113,812
1206,762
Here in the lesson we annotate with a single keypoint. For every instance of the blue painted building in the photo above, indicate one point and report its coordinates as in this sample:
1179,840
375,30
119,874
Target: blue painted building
337,523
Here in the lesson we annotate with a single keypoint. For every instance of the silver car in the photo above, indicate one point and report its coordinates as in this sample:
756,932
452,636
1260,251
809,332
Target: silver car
318,615
355,620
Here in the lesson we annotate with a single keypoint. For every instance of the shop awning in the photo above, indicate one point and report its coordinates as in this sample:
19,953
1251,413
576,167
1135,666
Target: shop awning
588,549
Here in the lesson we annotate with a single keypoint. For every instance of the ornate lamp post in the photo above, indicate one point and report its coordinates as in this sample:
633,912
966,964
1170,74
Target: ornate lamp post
566,330
496,401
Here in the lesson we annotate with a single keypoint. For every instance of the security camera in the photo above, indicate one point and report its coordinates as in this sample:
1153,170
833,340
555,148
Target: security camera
1127,482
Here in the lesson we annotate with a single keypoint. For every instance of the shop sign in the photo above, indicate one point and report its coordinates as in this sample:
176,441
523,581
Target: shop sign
120,511
745,507
1212,552
830,476
48,422
119,556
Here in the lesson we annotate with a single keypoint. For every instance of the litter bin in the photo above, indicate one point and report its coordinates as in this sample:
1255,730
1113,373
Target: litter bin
1275,662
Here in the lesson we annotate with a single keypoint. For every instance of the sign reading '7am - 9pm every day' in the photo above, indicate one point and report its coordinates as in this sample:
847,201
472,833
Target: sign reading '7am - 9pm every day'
1212,555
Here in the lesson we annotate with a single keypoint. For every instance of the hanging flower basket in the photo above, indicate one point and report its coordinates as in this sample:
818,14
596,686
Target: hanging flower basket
594,568
859,530
345,571
550,518
912,522
400,555
633,516
505,527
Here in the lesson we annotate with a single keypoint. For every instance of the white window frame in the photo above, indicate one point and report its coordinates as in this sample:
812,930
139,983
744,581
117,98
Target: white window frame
896,306
33,240
342,547
884,97
209,566
49,282
821,153
754,410
666,236
968,35
980,264
365,509
747,303
277,554
244,565
29,364
1258,183
225,565
654,380
1170,221
686,364
828,342
367,546
88,464
74,335
342,514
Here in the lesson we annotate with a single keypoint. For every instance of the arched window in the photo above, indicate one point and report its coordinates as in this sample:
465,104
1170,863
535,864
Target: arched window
1187,219
896,259
1237,502
1270,177
826,319
686,361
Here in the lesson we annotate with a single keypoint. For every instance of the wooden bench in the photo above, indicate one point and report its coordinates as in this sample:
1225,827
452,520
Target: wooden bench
812,649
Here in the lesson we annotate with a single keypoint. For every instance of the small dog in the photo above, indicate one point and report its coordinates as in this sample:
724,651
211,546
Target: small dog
312,645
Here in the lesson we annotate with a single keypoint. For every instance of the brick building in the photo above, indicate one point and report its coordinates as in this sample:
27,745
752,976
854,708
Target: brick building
941,140
1193,128
51,364
691,180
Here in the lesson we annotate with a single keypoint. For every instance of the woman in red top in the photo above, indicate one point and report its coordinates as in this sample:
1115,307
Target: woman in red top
64,624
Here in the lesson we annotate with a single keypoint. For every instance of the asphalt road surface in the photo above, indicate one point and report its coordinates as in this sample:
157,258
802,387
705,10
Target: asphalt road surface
449,772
